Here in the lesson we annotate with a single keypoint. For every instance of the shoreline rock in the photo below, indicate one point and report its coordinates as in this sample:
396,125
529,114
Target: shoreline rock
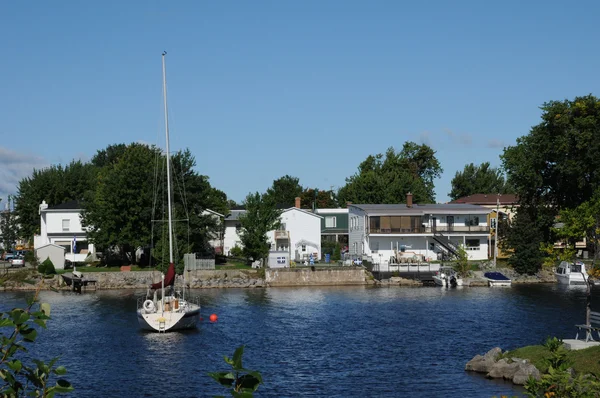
515,369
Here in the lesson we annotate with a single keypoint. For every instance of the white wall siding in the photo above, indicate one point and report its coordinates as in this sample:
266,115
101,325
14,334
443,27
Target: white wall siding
301,226
231,238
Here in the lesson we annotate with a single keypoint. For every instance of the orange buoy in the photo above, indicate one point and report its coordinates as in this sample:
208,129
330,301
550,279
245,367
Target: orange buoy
213,317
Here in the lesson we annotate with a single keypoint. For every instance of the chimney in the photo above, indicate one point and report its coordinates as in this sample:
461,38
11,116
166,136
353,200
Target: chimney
297,202
409,200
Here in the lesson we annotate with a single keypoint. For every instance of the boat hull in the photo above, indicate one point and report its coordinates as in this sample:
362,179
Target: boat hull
169,322
493,283
569,279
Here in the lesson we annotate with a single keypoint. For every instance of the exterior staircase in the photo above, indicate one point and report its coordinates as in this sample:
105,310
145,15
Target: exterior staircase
446,244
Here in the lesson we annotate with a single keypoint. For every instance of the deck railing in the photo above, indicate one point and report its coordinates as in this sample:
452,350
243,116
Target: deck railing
431,230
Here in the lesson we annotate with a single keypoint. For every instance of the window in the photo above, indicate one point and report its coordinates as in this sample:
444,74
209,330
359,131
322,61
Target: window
472,244
473,221
65,225
330,222
303,248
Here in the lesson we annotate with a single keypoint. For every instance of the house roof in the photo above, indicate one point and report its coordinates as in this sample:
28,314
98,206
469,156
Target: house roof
50,245
421,209
70,205
303,211
234,215
489,199
213,212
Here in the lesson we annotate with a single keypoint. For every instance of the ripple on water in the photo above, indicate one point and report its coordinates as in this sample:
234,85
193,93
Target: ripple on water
331,341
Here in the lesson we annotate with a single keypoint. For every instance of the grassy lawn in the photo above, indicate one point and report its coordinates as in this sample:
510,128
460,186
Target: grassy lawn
584,361
233,265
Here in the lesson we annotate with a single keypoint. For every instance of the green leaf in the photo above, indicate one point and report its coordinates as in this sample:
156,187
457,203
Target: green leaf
5,322
29,335
237,357
15,365
223,378
63,386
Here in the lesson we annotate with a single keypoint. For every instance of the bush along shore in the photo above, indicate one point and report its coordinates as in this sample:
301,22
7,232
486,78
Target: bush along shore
545,370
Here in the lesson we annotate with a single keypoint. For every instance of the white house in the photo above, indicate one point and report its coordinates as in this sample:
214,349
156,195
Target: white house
60,225
299,235
216,237
231,237
388,233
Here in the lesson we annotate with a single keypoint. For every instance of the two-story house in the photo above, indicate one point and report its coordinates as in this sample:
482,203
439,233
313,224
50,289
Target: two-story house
60,226
334,225
299,234
393,233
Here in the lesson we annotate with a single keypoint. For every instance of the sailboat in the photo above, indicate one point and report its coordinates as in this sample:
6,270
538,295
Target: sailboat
172,310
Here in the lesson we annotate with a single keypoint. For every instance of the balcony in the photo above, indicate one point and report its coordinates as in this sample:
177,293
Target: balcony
281,235
459,229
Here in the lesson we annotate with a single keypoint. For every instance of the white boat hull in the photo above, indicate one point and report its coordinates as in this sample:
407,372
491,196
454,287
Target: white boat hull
493,283
157,319
570,279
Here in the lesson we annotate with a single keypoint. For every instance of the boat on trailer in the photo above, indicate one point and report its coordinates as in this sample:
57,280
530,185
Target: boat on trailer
497,279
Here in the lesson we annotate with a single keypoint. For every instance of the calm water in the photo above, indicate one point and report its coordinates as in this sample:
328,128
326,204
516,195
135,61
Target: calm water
326,342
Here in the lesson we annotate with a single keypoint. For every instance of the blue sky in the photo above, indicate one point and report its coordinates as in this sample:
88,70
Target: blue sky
258,90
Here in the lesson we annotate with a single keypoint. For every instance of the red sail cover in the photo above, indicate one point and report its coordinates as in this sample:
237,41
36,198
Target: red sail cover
169,278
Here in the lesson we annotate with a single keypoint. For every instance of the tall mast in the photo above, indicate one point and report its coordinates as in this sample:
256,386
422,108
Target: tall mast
164,72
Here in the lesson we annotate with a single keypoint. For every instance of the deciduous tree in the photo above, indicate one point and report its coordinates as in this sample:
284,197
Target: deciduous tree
478,179
388,179
285,190
261,216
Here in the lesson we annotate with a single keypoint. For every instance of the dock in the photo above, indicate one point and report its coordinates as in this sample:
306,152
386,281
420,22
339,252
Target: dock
78,283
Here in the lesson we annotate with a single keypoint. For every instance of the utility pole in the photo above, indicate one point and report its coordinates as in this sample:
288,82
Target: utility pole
496,229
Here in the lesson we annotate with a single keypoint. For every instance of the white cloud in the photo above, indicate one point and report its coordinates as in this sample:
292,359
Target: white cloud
15,166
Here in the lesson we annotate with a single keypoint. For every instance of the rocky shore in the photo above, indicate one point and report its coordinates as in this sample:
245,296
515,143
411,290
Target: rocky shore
495,366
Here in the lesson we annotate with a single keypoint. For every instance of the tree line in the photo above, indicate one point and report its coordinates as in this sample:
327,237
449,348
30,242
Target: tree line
552,170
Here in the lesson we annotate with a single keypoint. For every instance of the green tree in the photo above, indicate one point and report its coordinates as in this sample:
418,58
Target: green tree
261,216
285,190
478,179
554,167
582,222
192,195
55,184
525,239
118,214
388,179
314,198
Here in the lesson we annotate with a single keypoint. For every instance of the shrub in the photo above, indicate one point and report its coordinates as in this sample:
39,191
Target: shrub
236,251
47,267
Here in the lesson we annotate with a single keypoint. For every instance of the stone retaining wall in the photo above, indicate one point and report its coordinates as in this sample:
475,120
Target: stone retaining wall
206,279
316,276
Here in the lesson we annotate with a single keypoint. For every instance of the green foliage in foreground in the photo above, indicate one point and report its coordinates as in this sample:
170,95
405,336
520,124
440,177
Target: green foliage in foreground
555,362
240,382
18,378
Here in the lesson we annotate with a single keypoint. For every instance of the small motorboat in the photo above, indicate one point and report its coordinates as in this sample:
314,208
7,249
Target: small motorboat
497,279
569,273
447,277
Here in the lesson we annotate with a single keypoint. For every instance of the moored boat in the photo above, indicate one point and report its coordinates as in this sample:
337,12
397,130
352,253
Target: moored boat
447,277
497,279
571,273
